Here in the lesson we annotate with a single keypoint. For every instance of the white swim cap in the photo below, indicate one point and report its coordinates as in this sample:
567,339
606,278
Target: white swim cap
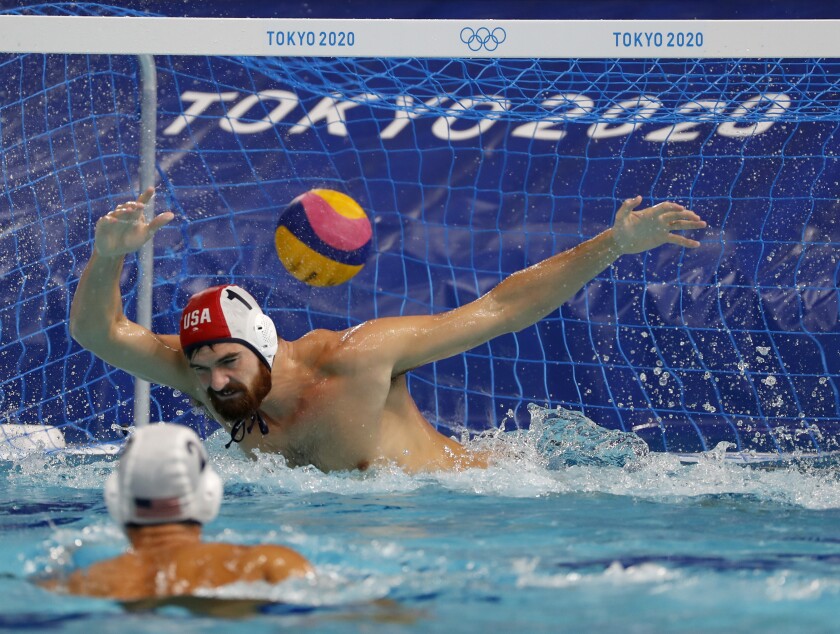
227,313
164,476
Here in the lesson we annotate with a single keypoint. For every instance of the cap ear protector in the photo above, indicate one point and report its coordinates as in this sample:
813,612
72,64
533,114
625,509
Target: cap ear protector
164,476
228,314
264,336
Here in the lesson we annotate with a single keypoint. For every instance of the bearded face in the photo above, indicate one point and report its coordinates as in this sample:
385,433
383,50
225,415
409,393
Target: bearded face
237,400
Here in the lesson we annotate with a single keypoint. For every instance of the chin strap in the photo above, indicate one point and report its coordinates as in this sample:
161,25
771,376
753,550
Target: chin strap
238,431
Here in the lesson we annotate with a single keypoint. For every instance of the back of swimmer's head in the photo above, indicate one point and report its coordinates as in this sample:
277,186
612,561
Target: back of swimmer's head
164,476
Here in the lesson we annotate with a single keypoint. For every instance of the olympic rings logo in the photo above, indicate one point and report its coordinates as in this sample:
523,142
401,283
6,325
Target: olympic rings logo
483,38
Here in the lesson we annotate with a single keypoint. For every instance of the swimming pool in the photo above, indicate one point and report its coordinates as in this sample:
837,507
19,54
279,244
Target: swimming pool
623,543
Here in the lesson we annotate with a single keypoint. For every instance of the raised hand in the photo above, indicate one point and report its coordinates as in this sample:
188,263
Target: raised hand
637,231
126,229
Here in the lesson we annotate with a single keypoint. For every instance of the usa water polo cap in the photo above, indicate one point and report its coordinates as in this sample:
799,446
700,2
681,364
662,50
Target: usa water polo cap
228,314
164,476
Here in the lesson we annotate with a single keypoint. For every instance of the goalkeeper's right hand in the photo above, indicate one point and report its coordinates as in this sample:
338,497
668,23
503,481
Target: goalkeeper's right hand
126,229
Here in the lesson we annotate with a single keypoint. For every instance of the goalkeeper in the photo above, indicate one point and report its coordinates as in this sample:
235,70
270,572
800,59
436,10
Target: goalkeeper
335,400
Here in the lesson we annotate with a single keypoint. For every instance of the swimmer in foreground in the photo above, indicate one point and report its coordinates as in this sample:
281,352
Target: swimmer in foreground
161,494
335,400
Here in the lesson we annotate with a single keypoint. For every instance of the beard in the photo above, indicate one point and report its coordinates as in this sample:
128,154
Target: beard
241,401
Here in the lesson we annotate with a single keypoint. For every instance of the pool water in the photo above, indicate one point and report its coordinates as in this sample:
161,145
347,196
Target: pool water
573,529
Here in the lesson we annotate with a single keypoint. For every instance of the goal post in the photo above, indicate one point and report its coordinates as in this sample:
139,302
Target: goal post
147,170
476,148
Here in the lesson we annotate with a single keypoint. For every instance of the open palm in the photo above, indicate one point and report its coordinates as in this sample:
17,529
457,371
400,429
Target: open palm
126,229
637,231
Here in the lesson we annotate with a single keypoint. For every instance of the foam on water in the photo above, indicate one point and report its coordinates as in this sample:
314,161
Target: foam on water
562,452
528,575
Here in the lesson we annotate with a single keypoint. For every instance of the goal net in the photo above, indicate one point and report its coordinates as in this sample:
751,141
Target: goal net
470,169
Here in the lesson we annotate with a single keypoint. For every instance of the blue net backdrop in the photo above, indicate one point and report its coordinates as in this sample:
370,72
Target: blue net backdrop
469,170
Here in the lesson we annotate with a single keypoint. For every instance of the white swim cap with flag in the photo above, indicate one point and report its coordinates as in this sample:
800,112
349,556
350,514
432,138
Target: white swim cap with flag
164,476
228,314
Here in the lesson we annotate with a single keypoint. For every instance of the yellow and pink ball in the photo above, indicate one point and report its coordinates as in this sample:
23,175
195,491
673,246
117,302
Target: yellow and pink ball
323,237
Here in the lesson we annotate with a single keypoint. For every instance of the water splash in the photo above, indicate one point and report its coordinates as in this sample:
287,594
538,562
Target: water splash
567,438
528,575
562,452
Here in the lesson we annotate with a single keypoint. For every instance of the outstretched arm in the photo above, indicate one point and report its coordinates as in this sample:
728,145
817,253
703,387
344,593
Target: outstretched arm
97,320
529,295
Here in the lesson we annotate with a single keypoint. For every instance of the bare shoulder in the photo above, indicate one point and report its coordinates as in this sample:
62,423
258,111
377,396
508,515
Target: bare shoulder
277,552
117,577
320,337
279,562
263,562
320,347
379,342
125,562
370,346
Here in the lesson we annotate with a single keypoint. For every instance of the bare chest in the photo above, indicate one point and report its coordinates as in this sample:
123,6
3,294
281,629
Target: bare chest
333,425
